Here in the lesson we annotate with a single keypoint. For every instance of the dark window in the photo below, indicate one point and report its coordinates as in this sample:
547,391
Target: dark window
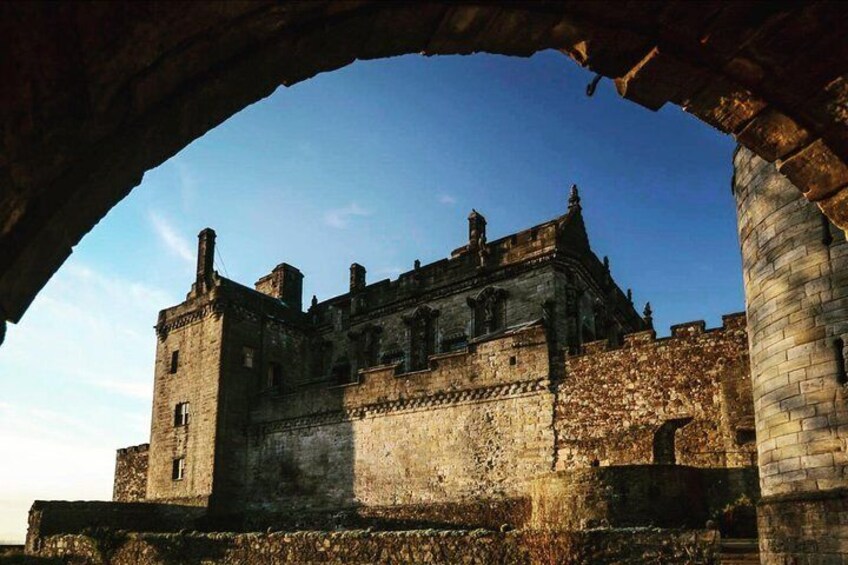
181,414
827,235
275,375
513,360
178,469
489,311
247,354
175,361
839,353
394,357
455,343
745,436
341,374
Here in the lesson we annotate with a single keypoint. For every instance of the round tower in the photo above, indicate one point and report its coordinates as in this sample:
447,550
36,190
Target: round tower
795,268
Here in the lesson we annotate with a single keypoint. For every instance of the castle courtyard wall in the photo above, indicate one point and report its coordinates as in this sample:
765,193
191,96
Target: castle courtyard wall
612,402
477,547
476,425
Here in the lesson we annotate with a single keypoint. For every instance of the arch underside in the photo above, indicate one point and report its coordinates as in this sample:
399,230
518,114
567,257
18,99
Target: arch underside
96,94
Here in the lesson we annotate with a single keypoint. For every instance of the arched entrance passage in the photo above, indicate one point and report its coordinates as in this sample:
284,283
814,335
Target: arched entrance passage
97,94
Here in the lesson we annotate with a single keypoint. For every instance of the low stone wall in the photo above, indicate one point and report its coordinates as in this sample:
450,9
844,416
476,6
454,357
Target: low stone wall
424,546
804,527
489,514
48,518
668,496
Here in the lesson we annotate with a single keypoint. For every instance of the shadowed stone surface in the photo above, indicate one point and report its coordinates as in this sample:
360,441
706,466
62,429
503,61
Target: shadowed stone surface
795,266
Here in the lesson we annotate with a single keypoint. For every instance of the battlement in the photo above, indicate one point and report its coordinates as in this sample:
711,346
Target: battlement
512,362
140,448
687,330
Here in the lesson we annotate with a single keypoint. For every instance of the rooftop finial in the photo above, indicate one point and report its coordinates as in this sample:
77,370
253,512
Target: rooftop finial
314,301
606,263
574,198
648,316
630,295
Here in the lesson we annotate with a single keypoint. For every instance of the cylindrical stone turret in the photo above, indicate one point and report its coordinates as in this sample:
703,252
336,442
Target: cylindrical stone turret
796,292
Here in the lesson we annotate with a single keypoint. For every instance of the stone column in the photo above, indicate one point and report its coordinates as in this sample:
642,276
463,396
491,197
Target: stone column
796,289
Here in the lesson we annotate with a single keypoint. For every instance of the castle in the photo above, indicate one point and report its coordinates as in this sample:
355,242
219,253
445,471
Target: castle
457,384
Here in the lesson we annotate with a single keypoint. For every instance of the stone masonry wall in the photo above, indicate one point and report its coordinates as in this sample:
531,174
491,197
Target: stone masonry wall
131,474
274,344
612,403
668,496
195,380
478,547
477,424
527,291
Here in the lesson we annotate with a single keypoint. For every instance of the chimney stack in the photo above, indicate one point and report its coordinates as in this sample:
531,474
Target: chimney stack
357,277
285,283
205,260
476,229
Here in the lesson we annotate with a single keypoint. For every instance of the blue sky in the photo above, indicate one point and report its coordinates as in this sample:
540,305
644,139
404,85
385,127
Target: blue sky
378,163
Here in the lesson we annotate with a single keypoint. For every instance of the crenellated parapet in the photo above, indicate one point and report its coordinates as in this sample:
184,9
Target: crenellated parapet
510,364
685,398
696,329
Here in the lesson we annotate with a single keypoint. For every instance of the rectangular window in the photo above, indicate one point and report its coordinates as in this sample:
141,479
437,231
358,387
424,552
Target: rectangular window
181,414
178,469
175,361
275,375
247,355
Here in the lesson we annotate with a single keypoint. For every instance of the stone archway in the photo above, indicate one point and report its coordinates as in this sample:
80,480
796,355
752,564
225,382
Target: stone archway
96,94
100,93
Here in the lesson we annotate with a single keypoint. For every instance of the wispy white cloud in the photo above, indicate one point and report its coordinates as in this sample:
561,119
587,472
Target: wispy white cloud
188,181
340,217
90,395
446,199
173,240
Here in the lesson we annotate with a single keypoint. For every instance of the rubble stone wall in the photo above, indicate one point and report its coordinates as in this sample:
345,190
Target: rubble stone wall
131,474
612,403
483,547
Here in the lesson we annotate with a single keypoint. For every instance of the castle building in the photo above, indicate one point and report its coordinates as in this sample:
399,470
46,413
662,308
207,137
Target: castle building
461,381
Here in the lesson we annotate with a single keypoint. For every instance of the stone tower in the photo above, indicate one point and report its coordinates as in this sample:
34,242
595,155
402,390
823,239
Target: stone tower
795,268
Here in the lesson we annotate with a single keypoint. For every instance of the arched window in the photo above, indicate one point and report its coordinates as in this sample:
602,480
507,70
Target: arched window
489,308
422,336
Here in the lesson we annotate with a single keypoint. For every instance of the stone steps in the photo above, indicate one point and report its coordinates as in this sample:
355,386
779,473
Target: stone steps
744,551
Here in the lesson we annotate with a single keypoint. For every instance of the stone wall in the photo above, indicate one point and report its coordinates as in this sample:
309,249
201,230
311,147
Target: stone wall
808,525
49,518
629,546
669,496
131,474
476,425
613,403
